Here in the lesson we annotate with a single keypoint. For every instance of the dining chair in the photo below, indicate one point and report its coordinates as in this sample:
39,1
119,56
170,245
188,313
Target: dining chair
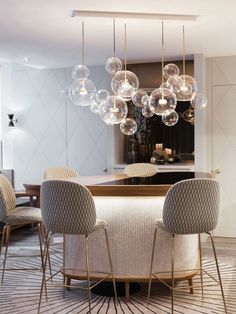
60,173
191,207
14,216
68,208
140,170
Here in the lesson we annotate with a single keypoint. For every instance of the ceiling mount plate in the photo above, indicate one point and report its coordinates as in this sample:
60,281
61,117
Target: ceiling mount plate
132,15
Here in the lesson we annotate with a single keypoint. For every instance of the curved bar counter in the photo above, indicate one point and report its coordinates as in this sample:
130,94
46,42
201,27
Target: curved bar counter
130,207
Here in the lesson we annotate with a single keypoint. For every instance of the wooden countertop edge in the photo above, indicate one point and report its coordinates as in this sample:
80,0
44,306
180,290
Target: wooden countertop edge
92,183
128,190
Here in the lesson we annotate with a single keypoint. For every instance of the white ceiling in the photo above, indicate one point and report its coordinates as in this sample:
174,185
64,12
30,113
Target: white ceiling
44,30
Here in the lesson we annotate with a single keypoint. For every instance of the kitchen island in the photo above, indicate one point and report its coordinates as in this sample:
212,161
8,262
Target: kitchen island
130,207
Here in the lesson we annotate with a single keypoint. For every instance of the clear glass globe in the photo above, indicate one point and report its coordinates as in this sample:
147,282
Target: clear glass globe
167,85
188,115
176,83
170,119
113,65
94,107
82,93
138,96
170,69
145,100
125,84
80,72
128,126
102,95
187,89
198,101
114,110
148,111
163,100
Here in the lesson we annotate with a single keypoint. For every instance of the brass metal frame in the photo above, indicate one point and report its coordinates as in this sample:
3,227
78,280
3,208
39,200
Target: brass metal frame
172,286
6,236
64,268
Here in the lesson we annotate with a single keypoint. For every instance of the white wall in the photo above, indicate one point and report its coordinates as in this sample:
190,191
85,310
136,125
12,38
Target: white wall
201,130
51,130
221,113
0,117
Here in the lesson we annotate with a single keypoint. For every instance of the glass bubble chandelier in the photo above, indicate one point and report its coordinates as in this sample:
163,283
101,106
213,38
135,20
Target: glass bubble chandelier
82,90
162,101
115,109
125,83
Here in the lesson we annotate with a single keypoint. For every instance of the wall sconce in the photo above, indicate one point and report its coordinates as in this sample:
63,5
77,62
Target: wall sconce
11,120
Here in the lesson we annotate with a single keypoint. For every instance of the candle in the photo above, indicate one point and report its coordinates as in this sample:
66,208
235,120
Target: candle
168,151
159,146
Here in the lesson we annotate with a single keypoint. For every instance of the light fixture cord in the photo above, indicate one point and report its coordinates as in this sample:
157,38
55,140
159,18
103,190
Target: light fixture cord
125,53
114,55
162,51
82,43
183,50
114,39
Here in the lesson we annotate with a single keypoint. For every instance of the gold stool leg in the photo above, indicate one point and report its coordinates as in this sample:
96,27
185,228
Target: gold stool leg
45,235
40,243
151,266
200,258
43,282
88,272
218,271
49,260
172,271
111,266
8,233
49,265
64,265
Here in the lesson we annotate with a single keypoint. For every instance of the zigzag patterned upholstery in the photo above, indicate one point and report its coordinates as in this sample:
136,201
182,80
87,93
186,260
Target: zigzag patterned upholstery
140,170
60,173
68,208
9,213
191,207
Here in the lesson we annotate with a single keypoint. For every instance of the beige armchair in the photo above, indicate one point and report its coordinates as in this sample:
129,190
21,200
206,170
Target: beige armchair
13,216
140,170
60,173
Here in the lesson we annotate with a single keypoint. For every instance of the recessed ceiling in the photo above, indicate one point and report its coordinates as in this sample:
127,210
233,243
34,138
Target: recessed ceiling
45,32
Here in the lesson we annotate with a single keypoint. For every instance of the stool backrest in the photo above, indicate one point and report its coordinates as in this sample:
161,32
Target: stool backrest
192,206
67,207
7,197
140,170
60,173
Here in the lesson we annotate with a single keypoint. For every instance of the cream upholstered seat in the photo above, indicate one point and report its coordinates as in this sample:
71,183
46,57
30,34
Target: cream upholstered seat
191,207
60,173
140,170
14,216
68,208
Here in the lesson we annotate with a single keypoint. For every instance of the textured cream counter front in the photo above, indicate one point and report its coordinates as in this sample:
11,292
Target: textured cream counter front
130,228
130,211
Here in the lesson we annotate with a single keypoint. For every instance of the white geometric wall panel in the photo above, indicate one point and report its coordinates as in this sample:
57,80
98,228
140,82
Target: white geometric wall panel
224,138
51,131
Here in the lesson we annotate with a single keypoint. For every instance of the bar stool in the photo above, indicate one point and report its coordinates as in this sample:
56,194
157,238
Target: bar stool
191,207
141,169
60,173
68,208
14,216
